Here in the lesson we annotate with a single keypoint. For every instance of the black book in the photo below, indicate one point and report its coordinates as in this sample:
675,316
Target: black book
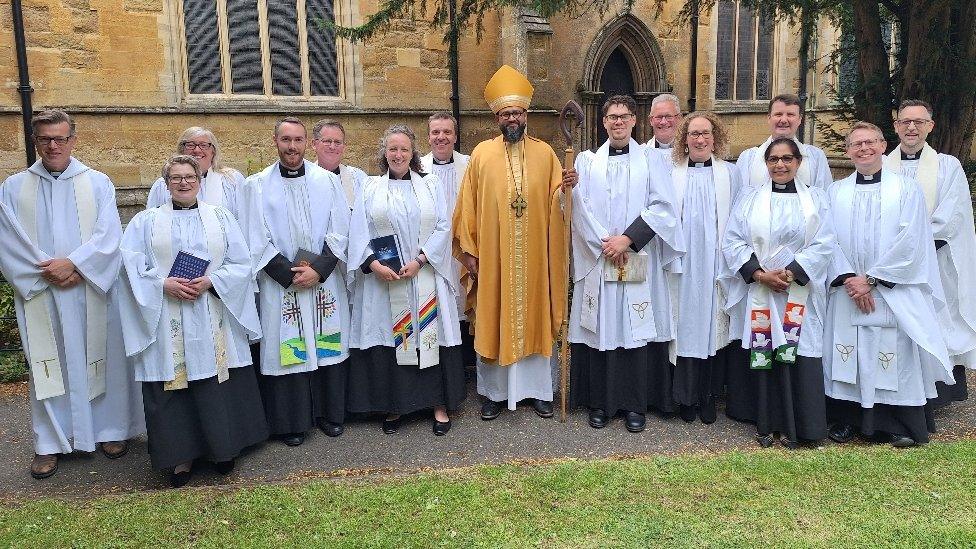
188,266
387,251
305,258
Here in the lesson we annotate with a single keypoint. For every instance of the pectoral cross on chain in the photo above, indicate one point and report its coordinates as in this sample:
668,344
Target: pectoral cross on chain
519,205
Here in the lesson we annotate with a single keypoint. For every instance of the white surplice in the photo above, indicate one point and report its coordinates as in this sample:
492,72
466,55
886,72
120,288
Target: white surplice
450,175
788,232
71,421
613,192
814,171
951,218
351,178
281,215
147,330
372,323
216,188
697,298
883,231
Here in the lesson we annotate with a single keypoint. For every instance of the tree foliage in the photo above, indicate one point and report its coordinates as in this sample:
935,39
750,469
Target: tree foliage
934,48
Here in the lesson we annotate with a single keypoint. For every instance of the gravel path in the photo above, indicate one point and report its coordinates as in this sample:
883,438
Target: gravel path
363,449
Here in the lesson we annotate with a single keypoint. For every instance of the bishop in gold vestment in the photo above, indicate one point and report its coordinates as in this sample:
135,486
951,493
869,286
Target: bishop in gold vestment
508,226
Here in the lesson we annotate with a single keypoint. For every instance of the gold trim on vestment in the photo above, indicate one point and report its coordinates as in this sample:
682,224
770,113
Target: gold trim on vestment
514,160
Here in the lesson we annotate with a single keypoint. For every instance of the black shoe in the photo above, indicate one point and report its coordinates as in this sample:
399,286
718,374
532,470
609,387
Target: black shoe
598,418
391,426
293,439
179,480
765,440
687,413
789,444
841,433
901,441
707,413
329,428
224,467
635,422
490,410
441,427
543,408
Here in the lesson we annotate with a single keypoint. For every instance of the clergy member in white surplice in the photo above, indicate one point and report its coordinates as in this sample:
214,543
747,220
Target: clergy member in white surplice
449,166
329,142
406,345
60,230
664,119
189,308
883,352
219,184
784,118
778,247
950,207
704,188
296,220
625,235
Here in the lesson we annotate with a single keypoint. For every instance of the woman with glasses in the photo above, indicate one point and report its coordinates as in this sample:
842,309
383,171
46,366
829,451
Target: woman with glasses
218,183
704,187
406,343
778,247
186,291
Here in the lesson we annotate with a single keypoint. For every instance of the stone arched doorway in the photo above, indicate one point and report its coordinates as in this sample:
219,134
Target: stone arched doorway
623,58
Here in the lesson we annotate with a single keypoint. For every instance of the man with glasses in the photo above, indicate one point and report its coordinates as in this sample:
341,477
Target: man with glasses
329,142
784,119
664,118
620,323
950,209
508,230
296,220
882,356
61,232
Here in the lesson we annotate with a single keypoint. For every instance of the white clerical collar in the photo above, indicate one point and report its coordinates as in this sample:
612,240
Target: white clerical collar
289,173
909,156
614,151
659,145
868,179
705,164
442,162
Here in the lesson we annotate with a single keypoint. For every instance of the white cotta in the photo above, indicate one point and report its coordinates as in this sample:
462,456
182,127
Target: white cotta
372,323
450,176
814,170
798,227
615,191
703,197
352,179
210,233
281,215
71,421
892,356
218,188
950,207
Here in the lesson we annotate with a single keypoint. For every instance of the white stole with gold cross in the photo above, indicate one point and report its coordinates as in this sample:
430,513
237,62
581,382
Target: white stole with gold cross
42,351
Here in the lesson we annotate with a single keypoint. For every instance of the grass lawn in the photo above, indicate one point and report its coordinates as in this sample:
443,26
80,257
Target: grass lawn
852,496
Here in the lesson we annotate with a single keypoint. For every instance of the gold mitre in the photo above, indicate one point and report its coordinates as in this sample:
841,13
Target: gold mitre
508,88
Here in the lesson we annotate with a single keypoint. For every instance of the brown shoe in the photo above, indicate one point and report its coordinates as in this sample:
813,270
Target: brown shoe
115,450
44,466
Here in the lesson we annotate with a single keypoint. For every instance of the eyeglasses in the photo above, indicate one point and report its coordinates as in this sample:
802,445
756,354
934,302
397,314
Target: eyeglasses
513,115
175,179
191,145
664,117
60,140
613,118
695,135
331,142
918,122
785,159
865,143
